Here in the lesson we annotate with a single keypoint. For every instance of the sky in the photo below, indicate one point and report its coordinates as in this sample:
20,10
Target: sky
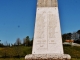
17,18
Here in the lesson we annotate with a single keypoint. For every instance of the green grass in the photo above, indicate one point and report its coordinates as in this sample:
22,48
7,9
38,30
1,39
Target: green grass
24,59
75,59
22,51
73,51
12,59
15,51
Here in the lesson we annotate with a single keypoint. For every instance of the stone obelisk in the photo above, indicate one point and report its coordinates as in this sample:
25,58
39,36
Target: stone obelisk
47,34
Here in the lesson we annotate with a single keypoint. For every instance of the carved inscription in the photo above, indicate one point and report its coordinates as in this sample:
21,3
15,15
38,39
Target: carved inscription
41,42
40,26
52,25
47,31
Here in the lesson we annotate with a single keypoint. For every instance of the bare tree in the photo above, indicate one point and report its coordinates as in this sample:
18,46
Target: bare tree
18,41
24,41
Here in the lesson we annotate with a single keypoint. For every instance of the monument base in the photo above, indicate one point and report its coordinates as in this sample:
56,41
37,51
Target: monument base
48,57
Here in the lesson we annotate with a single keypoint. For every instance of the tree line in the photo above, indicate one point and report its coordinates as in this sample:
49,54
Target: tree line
16,50
20,49
29,42
26,42
72,36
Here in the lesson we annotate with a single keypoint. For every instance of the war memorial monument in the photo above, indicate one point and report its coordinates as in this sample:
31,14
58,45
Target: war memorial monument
47,43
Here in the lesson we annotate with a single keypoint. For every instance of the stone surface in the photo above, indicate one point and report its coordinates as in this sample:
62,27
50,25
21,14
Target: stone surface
48,57
47,3
47,44
47,35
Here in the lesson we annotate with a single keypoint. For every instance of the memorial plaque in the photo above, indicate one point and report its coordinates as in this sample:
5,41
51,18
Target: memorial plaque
47,43
47,35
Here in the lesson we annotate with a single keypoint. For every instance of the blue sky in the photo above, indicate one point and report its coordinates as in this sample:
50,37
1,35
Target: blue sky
17,18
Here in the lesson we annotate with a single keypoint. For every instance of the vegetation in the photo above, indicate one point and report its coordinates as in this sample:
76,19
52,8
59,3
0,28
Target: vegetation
16,52
19,49
12,59
74,51
72,36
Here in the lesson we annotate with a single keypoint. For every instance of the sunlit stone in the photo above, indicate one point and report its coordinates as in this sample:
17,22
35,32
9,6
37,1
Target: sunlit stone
47,42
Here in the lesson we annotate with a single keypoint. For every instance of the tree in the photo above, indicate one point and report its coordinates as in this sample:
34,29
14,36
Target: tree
27,41
75,36
69,36
18,41
31,42
24,41
6,44
0,43
78,33
64,37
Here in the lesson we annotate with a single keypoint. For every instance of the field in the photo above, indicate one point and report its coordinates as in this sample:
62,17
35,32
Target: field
22,51
18,51
12,59
74,51
75,59
24,59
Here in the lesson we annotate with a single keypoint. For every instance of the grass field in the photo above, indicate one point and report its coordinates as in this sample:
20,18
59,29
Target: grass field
24,59
15,51
12,59
75,59
72,50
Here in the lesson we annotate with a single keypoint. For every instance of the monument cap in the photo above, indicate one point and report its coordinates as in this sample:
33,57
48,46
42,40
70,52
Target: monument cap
47,3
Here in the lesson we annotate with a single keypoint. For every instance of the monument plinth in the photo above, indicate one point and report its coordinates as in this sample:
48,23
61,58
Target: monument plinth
47,42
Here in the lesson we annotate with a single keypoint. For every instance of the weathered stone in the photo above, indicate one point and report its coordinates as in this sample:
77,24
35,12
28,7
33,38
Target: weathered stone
47,3
47,44
47,35
48,57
